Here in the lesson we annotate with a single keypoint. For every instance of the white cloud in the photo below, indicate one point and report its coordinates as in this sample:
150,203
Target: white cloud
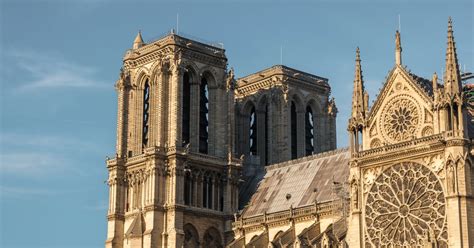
52,71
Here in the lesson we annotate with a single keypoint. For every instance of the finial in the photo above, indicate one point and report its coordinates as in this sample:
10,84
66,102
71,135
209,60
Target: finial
138,42
398,48
357,54
450,24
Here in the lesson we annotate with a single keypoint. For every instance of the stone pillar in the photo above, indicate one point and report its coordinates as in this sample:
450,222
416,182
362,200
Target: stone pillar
355,231
115,215
122,88
175,103
458,198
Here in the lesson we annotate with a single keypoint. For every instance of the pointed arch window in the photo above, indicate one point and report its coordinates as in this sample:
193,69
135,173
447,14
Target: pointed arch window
309,131
146,113
185,127
203,116
253,132
294,145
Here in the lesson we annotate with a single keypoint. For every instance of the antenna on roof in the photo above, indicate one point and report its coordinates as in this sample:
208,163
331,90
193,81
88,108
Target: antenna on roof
177,23
399,24
281,54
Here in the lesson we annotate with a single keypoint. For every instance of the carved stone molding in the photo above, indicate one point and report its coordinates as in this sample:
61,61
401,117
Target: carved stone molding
400,119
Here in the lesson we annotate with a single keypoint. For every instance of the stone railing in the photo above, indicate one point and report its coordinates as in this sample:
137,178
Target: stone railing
402,145
265,218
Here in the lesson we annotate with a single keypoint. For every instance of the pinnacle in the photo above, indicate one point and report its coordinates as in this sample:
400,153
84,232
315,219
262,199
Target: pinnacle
138,42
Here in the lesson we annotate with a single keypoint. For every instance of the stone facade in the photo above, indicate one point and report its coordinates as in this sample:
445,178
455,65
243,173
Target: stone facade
174,180
411,173
193,144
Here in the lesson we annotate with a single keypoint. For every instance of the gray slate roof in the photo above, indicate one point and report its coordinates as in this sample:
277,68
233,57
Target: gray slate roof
302,181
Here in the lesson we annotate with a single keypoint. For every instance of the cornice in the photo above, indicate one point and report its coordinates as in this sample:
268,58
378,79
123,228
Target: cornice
170,44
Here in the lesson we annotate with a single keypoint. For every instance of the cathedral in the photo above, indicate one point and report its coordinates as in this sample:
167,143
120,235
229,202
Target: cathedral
207,160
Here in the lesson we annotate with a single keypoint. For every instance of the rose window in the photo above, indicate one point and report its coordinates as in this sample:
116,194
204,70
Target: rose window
404,206
400,119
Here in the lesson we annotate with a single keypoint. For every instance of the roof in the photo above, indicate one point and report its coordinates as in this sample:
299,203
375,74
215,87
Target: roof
424,83
282,70
300,182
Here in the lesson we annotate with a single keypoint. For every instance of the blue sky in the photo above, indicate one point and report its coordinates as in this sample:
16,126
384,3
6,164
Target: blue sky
60,59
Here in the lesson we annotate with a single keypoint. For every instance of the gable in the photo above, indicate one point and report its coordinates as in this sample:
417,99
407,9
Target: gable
402,110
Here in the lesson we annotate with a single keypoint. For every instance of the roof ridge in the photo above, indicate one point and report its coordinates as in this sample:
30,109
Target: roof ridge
307,158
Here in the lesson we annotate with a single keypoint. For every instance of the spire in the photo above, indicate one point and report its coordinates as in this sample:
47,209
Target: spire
398,49
138,42
358,101
452,78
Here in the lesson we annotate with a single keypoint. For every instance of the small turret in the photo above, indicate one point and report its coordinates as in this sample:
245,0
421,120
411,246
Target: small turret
138,42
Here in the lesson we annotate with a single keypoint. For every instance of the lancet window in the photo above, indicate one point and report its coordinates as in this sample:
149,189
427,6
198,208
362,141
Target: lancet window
309,131
146,113
203,116
185,125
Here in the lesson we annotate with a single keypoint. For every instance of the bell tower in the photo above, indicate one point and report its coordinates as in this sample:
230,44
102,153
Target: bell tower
174,180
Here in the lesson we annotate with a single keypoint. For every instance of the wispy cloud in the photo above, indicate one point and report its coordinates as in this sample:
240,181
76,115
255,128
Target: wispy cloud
41,155
52,71
20,192
98,206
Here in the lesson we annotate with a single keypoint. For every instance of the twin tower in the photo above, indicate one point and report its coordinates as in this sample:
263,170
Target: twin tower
189,136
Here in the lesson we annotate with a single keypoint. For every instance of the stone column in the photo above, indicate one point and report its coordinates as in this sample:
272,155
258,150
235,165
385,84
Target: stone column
175,111
115,216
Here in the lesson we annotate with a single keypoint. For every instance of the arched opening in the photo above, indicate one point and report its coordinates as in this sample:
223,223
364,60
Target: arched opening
186,108
207,188
253,132
212,238
293,132
188,189
146,113
309,131
191,236
203,116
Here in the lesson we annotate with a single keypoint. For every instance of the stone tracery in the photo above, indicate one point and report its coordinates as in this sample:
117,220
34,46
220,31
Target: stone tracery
404,200
400,119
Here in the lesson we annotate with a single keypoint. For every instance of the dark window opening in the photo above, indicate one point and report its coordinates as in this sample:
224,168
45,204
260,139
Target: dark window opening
146,113
207,193
309,131
221,195
253,132
185,132
294,145
203,117
188,190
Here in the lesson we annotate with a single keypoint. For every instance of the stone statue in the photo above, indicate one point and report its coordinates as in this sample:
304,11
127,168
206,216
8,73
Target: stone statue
355,194
230,81
450,178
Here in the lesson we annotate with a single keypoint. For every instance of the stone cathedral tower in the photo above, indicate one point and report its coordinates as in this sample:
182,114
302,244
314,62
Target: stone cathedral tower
411,168
174,180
